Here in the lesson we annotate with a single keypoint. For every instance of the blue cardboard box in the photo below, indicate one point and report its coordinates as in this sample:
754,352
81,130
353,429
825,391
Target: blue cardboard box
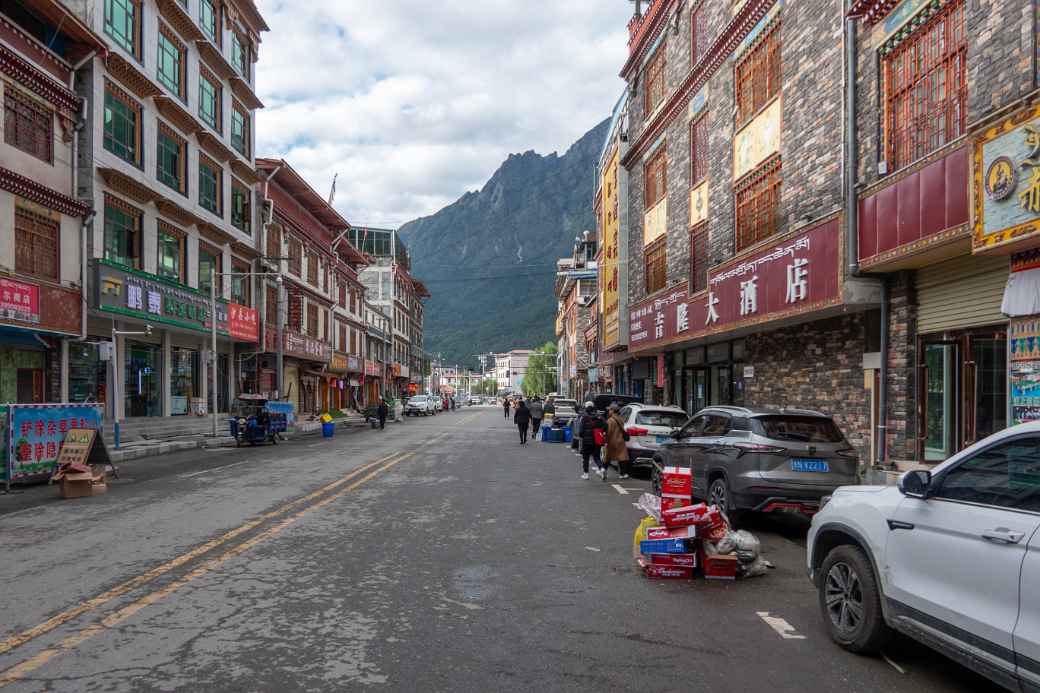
665,546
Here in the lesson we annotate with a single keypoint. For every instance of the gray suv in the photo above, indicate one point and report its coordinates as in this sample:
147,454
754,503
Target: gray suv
761,459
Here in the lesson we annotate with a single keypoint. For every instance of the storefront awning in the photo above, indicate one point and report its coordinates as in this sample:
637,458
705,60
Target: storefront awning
22,339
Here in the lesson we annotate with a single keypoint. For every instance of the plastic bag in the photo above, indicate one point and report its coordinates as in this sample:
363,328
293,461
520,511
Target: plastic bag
727,544
756,568
640,534
747,544
651,505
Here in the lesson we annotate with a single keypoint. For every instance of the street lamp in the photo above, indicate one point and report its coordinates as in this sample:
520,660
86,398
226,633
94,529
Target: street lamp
213,274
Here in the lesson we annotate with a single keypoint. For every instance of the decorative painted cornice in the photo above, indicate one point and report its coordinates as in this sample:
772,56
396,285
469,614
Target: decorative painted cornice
18,184
871,10
37,81
643,31
749,15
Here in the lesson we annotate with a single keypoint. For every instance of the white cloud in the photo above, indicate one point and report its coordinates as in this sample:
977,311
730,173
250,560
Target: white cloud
415,102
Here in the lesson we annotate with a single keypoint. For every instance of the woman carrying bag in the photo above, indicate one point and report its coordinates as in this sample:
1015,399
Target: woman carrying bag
617,439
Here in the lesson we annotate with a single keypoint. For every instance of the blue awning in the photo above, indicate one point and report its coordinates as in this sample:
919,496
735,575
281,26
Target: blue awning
22,339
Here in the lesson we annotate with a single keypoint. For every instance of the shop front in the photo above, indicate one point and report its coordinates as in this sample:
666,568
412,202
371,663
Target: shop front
337,382
373,382
305,369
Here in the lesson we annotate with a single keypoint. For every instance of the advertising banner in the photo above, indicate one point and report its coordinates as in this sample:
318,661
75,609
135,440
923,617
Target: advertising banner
19,301
36,432
609,270
243,323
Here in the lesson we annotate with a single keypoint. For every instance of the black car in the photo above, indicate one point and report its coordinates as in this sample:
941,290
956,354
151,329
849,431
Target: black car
601,402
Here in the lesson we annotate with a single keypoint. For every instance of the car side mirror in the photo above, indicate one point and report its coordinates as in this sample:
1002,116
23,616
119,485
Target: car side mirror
676,433
915,484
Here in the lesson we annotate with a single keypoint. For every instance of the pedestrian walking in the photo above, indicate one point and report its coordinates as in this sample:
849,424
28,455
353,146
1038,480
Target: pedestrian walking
593,434
505,408
617,439
522,419
536,416
382,411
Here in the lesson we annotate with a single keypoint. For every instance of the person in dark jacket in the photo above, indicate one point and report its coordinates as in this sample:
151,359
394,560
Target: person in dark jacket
382,411
589,422
522,419
535,407
505,407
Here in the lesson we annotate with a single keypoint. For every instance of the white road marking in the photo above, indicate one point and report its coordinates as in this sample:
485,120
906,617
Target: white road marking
620,489
593,548
218,449
784,629
895,666
464,605
213,469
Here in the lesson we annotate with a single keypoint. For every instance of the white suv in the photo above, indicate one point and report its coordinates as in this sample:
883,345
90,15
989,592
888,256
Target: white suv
951,558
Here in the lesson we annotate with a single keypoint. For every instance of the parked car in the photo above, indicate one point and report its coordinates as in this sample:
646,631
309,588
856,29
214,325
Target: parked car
419,405
602,401
565,412
649,427
761,460
950,557
475,401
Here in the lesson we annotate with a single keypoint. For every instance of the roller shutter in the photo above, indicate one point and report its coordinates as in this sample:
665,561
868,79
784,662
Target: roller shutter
961,293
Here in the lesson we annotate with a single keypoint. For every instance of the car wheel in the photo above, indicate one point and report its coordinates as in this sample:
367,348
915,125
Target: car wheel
851,602
719,495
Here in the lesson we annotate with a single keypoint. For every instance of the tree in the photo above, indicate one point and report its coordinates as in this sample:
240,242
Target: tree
489,386
540,378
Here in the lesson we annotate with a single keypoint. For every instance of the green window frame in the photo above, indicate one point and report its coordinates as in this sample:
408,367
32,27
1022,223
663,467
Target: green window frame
240,286
169,168
239,56
170,64
121,22
122,235
209,187
208,18
240,207
208,261
240,131
209,106
170,263
122,128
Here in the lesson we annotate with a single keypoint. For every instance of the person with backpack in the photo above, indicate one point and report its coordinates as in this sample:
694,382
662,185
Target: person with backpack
593,436
535,407
522,419
617,443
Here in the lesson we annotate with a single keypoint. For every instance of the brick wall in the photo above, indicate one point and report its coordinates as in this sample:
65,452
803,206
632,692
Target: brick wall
902,368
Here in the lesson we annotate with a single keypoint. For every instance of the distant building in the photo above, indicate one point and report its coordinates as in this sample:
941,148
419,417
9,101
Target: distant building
576,285
510,369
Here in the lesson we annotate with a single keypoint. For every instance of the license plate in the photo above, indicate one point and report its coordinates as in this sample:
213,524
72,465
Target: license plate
662,439
801,464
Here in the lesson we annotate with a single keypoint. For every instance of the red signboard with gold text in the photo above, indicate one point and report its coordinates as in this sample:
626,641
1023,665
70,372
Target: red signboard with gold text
19,301
243,323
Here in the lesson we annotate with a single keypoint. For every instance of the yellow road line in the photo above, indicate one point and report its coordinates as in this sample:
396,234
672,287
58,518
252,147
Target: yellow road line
19,671
119,590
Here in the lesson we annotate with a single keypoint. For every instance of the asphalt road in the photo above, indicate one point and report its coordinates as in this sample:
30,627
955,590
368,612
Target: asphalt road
436,555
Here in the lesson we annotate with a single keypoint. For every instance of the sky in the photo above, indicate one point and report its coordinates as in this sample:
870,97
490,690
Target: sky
416,102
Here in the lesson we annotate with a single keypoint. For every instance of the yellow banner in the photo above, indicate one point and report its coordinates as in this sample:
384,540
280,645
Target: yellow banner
608,272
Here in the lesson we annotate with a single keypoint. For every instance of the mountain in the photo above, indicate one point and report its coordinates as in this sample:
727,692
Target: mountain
489,259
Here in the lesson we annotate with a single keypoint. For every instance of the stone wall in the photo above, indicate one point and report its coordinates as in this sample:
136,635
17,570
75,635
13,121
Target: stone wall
902,368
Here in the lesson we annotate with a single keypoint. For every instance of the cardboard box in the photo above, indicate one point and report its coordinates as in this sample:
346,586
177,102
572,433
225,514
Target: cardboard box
685,516
677,481
77,485
665,572
689,532
670,502
665,546
720,567
683,560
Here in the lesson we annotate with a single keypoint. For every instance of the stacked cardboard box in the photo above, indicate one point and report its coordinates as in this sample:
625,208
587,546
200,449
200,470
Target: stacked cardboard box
76,480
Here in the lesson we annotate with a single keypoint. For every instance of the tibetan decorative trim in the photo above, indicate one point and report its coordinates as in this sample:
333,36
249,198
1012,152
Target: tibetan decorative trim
180,20
30,77
643,32
176,114
871,10
907,30
745,20
244,171
127,186
213,232
17,184
913,168
214,60
949,235
215,146
132,78
174,211
244,92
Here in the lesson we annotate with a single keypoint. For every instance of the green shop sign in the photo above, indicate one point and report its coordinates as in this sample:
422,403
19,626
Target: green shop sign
124,291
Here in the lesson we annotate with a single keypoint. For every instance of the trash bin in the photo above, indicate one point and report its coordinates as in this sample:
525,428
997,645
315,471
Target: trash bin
328,429
567,434
546,436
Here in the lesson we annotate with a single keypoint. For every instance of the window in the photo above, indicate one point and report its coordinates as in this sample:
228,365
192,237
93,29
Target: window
295,257
698,34
699,258
240,285
1006,475
28,124
342,343
656,178
312,269
36,244
758,75
210,100
274,241
122,24
342,292
171,159
122,134
240,54
699,150
758,201
653,83
240,130
209,20
799,429
312,319
667,419
656,256
926,88
211,178
241,211
209,264
122,232
272,305
171,62
170,244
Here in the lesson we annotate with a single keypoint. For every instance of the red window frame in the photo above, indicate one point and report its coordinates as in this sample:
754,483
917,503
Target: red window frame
758,202
699,257
699,150
655,259
655,178
757,75
653,82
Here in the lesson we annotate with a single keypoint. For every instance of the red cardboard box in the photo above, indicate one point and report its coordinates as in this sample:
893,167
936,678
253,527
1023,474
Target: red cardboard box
671,502
685,516
666,572
689,532
683,560
677,481
719,567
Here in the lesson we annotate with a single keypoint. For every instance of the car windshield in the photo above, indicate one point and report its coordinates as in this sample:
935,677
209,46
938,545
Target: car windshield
806,429
668,419
418,399
569,403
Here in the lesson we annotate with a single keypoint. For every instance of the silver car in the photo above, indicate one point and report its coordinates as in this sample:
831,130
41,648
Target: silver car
761,460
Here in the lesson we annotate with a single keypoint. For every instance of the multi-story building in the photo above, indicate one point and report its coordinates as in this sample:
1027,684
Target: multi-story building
576,290
320,318
378,353
391,288
42,222
166,160
510,369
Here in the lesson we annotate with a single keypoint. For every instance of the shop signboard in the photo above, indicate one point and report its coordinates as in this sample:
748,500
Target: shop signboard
372,369
404,372
286,408
354,364
338,363
1024,352
1007,181
395,370
659,319
36,432
243,323
19,301
609,270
